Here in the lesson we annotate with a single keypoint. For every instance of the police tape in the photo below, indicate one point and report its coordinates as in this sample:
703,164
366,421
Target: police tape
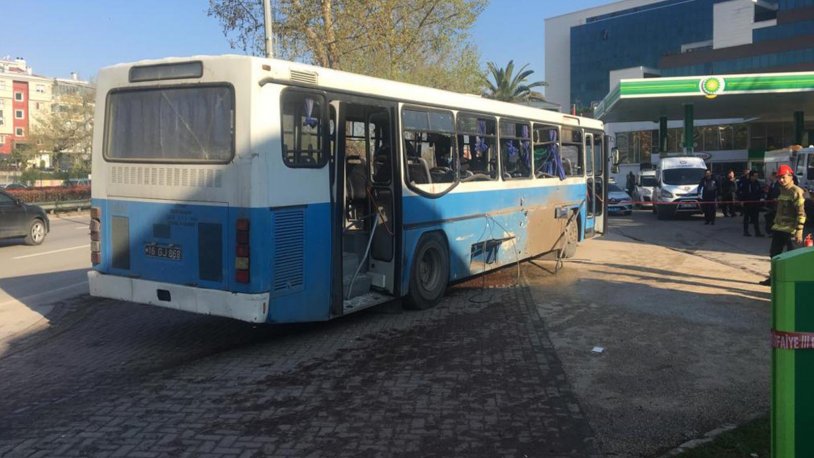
792,340
693,201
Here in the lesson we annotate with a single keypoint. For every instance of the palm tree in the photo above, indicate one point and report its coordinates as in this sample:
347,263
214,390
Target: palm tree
509,88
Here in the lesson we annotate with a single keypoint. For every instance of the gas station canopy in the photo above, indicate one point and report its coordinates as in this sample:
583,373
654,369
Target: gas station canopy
768,96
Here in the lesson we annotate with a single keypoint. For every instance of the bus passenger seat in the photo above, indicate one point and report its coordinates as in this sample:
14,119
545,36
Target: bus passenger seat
419,170
356,187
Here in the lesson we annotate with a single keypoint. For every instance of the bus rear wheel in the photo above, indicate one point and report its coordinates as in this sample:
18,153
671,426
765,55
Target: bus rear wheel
429,274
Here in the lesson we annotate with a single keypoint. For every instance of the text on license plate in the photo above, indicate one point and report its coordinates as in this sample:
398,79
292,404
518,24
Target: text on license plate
692,205
158,251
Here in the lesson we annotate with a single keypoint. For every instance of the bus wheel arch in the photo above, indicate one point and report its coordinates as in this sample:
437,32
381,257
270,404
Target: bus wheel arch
571,237
429,273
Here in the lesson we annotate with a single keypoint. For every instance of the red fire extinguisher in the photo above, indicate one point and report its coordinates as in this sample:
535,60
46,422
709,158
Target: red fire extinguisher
808,242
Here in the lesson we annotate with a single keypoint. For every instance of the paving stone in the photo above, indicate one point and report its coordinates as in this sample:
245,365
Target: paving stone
465,378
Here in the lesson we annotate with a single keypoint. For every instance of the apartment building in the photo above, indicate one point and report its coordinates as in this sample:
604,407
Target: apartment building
27,98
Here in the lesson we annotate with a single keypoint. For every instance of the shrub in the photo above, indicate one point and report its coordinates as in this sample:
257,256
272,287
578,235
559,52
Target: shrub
51,194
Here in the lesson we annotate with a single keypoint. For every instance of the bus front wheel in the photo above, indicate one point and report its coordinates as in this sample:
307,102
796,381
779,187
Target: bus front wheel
429,274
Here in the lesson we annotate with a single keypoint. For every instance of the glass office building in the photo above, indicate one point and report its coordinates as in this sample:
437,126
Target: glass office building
681,38
589,51
631,38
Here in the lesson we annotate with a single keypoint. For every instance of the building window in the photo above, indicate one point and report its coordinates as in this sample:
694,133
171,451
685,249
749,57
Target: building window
40,88
18,96
19,114
20,132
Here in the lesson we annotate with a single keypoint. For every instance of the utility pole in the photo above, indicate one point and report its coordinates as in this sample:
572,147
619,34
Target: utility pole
267,24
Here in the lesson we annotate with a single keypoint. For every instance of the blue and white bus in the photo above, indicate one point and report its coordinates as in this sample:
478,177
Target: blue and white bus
272,191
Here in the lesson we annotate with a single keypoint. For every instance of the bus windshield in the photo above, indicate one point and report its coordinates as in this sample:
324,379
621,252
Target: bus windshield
182,124
683,176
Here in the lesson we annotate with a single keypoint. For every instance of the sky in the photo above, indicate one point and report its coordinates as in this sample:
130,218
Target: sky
58,37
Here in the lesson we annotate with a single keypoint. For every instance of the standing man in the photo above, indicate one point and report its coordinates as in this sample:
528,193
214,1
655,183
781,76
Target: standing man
631,182
751,195
790,217
728,188
708,188
741,183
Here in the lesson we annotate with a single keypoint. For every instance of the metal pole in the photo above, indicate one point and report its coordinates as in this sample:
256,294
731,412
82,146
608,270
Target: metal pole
267,24
688,128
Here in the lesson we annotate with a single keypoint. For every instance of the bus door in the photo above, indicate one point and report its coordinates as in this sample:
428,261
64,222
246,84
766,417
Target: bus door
365,154
302,212
595,171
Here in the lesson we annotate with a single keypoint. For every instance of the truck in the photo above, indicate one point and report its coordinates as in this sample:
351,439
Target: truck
676,188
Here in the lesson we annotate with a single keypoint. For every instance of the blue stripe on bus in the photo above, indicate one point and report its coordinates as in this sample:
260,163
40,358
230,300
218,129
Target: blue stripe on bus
463,217
302,295
300,282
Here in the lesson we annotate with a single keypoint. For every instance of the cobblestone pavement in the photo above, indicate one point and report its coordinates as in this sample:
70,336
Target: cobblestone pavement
474,376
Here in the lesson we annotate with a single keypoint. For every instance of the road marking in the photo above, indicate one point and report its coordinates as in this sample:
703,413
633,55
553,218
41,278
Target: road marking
82,228
23,300
52,251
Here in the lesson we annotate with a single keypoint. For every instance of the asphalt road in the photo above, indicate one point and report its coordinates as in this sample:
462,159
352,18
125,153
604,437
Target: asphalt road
33,278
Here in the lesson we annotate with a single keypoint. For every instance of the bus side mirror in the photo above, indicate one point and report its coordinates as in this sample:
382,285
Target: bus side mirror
614,160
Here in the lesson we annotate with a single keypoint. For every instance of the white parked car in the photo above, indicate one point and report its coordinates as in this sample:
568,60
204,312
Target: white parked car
619,202
643,194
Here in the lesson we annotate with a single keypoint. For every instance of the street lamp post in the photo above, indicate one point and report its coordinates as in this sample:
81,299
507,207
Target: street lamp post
267,24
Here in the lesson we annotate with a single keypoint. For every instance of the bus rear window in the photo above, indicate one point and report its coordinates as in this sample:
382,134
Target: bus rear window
178,124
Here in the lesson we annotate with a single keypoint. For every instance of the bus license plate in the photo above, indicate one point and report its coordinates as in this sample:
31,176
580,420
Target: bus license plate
167,252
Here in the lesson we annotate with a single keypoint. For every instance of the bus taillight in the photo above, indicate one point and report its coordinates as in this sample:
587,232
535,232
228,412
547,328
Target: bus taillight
95,235
242,251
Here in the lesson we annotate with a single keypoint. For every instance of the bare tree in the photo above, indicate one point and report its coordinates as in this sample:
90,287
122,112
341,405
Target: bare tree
67,130
422,41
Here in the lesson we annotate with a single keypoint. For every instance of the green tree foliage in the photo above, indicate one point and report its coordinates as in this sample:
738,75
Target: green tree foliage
66,131
508,87
422,41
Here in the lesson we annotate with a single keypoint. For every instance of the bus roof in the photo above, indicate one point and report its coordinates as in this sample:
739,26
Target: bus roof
281,71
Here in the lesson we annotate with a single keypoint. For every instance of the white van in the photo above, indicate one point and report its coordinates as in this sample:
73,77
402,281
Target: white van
802,162
676,190
645,183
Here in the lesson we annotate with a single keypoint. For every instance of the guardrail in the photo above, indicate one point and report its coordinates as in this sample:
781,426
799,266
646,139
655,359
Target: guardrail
64,205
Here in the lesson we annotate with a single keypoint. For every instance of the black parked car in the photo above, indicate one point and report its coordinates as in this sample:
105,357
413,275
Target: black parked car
18,219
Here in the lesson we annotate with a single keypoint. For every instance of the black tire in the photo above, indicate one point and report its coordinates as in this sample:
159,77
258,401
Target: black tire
571,239
429,274
36,233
